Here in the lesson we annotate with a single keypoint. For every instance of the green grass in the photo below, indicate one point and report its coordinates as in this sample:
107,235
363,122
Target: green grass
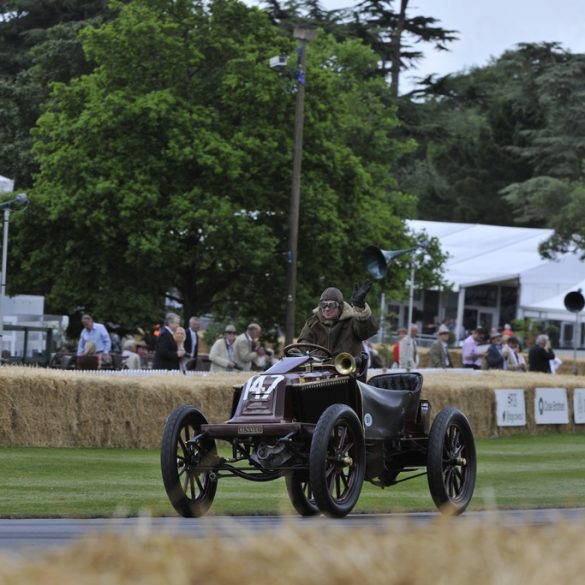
515,472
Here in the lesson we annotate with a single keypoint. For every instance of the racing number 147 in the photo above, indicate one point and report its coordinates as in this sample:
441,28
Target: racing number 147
261,387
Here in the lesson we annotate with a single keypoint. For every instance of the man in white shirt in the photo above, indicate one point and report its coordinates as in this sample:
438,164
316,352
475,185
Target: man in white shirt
97,333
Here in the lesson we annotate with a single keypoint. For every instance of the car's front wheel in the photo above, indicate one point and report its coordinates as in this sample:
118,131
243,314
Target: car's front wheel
187,466
337,460
451,461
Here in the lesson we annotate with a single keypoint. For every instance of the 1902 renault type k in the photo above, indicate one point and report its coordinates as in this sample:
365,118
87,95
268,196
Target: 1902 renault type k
314,420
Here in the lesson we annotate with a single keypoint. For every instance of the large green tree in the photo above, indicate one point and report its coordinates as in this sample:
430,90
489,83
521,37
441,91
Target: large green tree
166,170
481,131
39,45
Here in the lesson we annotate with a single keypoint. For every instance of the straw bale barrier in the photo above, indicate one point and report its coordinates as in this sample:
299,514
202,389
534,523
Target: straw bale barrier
451,551
55,408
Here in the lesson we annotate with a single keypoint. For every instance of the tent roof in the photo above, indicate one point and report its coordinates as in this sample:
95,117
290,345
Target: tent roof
554,305
483,254
6,184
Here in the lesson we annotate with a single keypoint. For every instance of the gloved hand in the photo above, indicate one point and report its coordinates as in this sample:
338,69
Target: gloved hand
358,298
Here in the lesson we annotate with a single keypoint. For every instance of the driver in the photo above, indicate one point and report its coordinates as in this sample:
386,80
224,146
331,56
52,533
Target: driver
339,326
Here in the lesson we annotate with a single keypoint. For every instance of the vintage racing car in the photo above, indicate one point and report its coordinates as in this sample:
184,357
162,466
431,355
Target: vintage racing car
314,420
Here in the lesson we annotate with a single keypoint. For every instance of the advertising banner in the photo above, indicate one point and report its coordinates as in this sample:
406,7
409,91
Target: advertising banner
551,406
579,406
510,407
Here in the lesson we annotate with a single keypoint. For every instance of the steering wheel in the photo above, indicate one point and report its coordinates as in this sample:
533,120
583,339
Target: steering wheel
311,349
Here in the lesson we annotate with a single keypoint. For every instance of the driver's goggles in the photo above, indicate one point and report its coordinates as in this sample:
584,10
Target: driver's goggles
329,304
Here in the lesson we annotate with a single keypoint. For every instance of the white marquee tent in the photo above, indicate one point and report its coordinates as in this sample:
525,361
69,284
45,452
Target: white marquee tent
498,255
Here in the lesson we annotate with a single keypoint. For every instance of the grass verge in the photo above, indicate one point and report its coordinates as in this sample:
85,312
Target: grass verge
515,472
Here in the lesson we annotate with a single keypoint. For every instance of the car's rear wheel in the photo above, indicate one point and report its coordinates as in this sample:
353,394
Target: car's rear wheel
300,493
337,460
451,461
188,467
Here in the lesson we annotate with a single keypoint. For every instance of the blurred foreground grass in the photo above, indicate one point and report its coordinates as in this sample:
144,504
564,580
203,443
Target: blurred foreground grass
514,472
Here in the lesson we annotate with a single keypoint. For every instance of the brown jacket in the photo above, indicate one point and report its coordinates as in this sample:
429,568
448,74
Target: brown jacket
344,334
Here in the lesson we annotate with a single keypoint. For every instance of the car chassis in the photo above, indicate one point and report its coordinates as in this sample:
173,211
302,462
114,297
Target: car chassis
314,420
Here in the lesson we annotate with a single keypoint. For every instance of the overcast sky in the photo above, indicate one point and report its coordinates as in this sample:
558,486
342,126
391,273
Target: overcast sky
489,27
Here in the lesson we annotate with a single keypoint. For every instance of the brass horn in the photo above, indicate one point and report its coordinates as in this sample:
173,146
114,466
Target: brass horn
344,363
377,260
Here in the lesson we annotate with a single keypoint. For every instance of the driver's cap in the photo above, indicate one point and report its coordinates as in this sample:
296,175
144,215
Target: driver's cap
332,294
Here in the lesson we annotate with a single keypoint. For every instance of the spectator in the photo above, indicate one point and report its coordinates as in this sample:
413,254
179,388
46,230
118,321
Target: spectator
246,347
88,360
396,348
470,353
116,346
515,360
192,342
374,360
179,336
130,358
495,356
221,354
540,355
339,326
167,355
264,361
439,352
408,352
507,330
143,354
96,333
89,348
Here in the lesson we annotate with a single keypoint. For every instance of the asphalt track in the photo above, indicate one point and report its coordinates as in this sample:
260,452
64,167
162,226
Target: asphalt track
40,535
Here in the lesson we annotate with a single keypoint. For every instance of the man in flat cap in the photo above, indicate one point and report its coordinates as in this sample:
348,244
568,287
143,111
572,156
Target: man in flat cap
439,352
221,354
340,326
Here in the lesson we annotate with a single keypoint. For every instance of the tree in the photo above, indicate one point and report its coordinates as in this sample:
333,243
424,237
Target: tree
391,33
477,131
167,172
553,196
388,32
38,46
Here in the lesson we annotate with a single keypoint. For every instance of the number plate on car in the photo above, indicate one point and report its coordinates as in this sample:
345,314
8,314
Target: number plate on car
250,429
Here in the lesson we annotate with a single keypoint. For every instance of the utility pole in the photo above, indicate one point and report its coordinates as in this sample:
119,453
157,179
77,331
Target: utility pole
304,35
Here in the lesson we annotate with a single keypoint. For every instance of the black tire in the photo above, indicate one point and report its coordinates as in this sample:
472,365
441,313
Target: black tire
187,469
300,493
451,461
337,461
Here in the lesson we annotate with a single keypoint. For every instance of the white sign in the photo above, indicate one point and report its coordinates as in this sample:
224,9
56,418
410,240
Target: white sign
551,406
510,407
579,406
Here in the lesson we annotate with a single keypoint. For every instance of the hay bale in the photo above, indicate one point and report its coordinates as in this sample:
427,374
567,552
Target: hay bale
55,408
396,553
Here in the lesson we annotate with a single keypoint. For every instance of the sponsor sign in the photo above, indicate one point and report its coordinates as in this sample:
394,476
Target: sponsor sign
510,407
551,406
579,406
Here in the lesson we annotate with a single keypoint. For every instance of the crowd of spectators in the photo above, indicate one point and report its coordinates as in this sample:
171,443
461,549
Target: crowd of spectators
351,324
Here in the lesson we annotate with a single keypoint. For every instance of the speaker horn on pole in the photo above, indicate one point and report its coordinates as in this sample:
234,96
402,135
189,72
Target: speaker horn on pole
376,260
574,301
